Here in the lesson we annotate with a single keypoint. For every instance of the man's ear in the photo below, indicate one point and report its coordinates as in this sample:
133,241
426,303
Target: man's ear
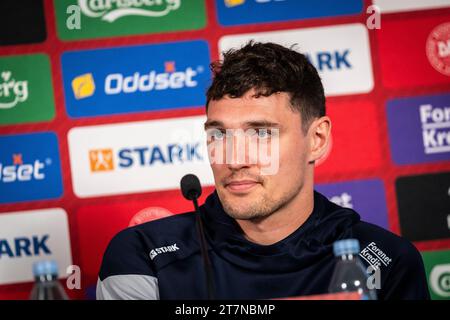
319,137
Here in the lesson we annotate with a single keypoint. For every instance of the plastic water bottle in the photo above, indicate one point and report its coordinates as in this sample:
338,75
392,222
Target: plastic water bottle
349,274
46,285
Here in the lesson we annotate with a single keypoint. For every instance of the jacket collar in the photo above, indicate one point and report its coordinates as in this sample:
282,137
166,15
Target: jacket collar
311,242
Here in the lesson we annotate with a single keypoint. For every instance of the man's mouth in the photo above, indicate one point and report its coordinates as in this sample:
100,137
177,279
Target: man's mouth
241,186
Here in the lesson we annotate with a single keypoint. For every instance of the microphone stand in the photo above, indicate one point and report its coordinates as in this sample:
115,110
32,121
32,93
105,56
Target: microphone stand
204,251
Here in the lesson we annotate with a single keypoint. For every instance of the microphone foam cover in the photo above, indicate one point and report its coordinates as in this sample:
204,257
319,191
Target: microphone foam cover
190,186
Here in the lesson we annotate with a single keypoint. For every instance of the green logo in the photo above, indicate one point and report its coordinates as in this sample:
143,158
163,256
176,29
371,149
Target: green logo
437,267
83,19
26,92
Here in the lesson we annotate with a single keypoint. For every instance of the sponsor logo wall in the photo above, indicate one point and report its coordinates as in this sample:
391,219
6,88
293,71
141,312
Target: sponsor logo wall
29,167
337,52
106,18
236,12
26,91
135,79
102,111
364,196
437,267
137,156
28,236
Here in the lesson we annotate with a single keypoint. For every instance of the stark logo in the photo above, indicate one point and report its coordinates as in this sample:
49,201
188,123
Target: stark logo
110,13
101,160
25,246
156,251
12,91
438,48
30,236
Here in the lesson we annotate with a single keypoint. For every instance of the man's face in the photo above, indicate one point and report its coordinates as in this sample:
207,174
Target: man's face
245,190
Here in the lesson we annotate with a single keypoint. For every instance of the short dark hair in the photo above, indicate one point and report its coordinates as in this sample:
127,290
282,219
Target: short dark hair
269,68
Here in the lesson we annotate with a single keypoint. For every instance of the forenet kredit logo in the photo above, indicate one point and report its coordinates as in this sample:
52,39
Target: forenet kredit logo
12,91
110,11
435,128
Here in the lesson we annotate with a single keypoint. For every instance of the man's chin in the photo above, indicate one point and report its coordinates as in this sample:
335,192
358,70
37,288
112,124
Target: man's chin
241,205
243,209
246,214
239,215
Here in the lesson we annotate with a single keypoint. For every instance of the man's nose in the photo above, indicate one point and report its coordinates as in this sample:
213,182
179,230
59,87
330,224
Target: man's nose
238,152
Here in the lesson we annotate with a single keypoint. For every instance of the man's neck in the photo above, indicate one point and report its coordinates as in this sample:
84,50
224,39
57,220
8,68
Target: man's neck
282,223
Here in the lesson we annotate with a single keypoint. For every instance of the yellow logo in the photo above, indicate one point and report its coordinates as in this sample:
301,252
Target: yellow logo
233,3
101,160
83,86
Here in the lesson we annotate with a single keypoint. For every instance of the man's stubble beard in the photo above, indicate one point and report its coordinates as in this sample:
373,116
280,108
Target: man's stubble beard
261,208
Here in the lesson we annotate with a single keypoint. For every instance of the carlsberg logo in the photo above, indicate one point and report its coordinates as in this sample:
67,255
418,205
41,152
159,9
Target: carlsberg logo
111,10
12,91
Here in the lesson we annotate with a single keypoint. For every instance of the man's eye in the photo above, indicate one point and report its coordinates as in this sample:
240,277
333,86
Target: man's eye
216,134
263,133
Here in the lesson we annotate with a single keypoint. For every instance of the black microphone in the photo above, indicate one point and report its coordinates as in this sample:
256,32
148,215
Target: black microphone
192,190
190,187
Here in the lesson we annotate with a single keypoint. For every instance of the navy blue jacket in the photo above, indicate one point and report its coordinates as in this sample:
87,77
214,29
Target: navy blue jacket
161,259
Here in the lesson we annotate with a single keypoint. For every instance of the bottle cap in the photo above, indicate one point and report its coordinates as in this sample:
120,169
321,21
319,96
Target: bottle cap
45,267
346,246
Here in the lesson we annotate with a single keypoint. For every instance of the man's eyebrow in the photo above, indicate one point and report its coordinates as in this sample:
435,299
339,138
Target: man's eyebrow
248,124
213,124
261,124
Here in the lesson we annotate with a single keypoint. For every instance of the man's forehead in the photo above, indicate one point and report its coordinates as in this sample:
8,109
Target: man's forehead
237,112
240,106
254,95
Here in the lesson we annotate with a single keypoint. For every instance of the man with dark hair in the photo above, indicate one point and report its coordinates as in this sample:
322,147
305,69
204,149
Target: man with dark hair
270,68
269,234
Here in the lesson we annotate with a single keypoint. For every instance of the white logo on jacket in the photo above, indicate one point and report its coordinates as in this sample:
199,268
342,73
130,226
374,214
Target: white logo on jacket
375,256
156,251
